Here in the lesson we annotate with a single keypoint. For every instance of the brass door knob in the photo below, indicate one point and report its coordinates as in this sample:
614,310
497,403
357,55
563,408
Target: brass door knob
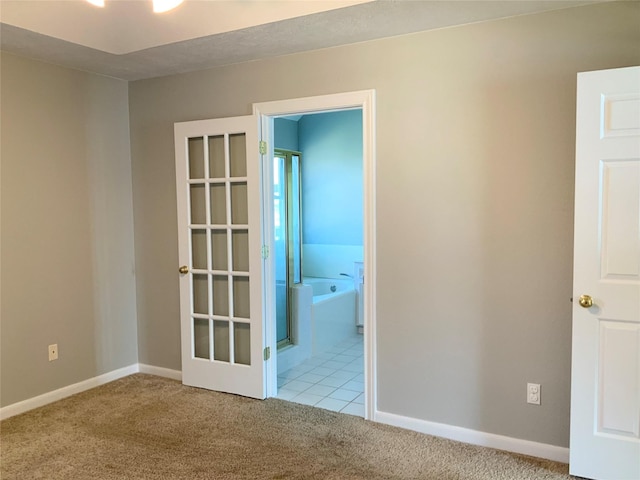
585,301
183,269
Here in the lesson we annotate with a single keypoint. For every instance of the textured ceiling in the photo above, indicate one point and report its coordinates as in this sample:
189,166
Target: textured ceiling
366,21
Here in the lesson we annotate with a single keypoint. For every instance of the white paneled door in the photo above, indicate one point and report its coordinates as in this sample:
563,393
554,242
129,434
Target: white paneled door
605,386
220,263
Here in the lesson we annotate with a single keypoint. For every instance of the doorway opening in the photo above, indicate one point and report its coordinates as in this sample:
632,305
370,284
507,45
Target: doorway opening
352,272
318,210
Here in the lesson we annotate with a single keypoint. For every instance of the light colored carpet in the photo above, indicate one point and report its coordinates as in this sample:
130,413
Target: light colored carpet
146,427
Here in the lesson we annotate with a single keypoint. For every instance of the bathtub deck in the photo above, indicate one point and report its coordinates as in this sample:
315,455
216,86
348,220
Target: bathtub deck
333,380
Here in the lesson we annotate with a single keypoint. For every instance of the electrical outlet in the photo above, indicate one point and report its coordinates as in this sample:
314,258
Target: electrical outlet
53,352
533,393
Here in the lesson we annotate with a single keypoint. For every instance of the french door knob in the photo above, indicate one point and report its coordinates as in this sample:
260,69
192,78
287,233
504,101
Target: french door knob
183,269
585,301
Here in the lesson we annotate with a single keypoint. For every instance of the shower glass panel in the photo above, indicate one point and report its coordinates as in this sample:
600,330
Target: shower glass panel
296,215
280,229
288,237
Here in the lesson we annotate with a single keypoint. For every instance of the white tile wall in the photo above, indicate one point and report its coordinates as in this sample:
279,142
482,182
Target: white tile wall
329,261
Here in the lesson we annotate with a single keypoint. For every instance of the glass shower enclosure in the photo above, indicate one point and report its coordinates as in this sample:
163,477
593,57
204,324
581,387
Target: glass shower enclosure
287,193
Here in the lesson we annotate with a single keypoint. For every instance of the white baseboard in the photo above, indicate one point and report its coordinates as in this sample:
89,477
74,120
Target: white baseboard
160,371
59,394
474,437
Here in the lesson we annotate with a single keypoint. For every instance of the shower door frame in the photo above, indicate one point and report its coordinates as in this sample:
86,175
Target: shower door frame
266,113
288,155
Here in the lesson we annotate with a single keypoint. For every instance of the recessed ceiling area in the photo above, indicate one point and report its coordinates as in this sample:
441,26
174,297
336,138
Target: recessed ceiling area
125,26
126,40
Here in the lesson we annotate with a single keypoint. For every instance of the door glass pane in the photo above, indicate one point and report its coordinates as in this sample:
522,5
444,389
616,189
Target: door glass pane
221,295
219,250
201,338
216,157
221,340
242,343
238,155
199,249
200,294
218,204
241,297
240,250
239,210
196,158
198,205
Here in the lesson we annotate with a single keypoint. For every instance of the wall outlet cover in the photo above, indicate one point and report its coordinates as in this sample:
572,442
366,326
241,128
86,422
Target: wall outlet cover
53,352
533,393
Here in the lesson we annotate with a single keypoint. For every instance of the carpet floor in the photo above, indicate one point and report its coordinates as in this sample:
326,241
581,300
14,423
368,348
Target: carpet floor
147,427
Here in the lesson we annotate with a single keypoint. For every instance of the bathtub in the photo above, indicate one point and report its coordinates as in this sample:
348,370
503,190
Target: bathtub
333,312
320,319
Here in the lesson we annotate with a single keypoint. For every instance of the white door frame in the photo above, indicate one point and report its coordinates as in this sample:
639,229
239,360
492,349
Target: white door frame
266,112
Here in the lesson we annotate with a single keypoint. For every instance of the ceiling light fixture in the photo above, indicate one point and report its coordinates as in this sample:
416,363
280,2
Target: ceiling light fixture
159,6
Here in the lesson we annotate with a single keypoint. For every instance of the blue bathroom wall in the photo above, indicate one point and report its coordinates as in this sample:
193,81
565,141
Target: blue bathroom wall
285,135
332,196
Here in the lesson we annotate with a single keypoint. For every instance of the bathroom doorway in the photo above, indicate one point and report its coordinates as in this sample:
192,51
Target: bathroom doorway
268,113
318,210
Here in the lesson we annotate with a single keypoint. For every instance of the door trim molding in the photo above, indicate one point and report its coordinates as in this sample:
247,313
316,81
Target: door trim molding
266,112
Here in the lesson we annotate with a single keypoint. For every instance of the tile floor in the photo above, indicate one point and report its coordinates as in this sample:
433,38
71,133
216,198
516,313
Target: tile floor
333,380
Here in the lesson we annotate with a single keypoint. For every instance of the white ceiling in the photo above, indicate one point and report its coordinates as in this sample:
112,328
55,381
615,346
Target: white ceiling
127,40
125,26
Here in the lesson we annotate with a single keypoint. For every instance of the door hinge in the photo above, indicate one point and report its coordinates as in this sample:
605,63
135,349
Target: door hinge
265,252
267,353
262,147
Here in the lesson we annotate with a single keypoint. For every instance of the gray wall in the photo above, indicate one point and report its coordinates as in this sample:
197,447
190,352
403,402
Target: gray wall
475,158
67,228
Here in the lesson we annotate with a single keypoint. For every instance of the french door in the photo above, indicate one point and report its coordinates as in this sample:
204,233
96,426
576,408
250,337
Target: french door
218,198
605,376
